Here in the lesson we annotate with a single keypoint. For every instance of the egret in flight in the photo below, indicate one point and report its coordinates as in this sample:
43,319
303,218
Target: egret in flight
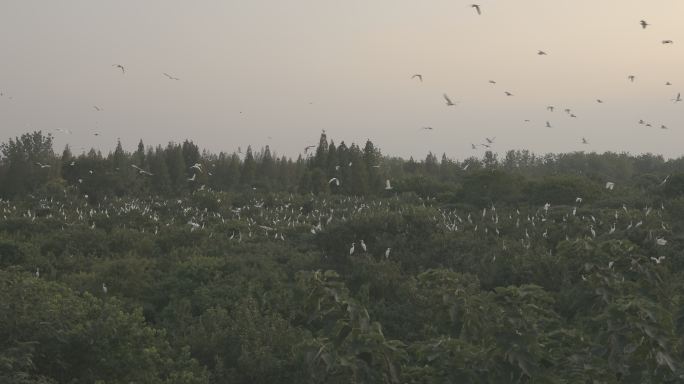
449,103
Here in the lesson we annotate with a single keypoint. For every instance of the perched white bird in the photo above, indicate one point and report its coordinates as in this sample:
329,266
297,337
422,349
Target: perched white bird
194,175
37,272
334,180
661,241
104,288
388,185
610,185
363,246
351,250
387,253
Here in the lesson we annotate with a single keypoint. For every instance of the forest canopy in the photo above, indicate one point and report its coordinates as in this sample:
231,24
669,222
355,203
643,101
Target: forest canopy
175,265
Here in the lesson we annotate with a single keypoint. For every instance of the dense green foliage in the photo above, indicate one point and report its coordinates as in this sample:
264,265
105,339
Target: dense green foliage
135,267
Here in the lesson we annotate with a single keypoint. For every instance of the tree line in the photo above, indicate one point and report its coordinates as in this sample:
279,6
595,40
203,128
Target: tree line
29,163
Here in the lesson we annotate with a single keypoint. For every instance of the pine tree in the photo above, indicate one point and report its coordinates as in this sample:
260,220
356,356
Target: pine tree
139,157
161,181
320,159
175,164
248,171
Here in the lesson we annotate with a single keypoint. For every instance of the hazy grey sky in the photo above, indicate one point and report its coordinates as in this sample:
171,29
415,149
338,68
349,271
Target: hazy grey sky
295,67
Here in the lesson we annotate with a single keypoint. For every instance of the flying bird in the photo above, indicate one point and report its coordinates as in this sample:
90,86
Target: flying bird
631,78
306,149
121,67
541,53
170,77
97,108
449,103
668,42
644,24
550,108
678,98
492,82
477,8
584,141
490,141
508,93
658,260
548,125
599,101
419,76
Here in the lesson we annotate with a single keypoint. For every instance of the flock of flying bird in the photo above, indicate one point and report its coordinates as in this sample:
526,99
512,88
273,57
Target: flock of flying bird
447,99
449,103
